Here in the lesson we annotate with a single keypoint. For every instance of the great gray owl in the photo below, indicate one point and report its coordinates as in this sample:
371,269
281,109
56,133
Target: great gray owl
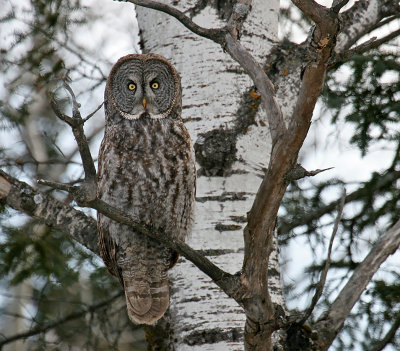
146,168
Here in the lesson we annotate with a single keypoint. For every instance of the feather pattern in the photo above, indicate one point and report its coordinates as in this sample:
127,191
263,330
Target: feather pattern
146,168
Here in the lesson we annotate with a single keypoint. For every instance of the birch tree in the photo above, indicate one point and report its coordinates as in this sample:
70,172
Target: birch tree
248,103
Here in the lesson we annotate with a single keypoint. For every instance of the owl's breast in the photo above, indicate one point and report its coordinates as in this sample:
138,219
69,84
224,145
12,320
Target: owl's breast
148,171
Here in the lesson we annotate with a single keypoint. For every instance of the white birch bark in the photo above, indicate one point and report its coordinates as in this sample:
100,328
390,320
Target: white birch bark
214,86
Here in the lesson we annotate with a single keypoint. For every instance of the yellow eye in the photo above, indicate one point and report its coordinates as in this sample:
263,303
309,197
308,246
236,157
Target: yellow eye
131,86
154,85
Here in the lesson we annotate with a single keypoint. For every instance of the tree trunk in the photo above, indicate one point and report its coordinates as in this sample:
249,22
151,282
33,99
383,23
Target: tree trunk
232,144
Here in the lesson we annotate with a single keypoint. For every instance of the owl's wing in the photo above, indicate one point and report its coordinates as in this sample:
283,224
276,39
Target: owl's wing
108,252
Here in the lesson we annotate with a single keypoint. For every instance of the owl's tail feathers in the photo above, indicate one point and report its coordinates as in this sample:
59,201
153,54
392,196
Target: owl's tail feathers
146,302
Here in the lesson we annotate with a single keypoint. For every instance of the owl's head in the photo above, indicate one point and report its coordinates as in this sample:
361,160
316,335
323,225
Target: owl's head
145,86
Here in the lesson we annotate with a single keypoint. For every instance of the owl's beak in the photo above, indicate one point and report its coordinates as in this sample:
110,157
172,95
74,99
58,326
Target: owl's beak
144,102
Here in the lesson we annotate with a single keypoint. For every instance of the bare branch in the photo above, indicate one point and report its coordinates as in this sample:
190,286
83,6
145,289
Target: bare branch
216,34
263,84
382,23
90,115
239,14
55,185
24,198
88,189
331,322
324,273
227,282
370,44
299,172
373,44
51,325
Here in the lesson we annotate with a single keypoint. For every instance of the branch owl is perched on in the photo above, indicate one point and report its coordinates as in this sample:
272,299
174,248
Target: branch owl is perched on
146,168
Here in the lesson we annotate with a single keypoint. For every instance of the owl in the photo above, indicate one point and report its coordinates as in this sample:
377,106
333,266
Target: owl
146,167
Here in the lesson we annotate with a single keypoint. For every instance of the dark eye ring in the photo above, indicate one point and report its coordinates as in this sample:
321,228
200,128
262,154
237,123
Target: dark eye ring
131,86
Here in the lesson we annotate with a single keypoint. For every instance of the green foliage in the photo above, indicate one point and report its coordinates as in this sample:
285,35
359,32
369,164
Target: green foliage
368,99
362,93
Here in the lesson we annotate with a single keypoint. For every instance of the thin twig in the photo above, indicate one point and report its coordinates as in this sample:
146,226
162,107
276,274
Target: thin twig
382,23
299,172
383,181
370,44
55,185
46,327
76,123
90,115
320,286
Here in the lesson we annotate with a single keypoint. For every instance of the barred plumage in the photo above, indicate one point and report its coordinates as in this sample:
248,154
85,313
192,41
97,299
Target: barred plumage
147,168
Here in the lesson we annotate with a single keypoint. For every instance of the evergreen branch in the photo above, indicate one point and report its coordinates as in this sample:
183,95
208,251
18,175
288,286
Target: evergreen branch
320,286
51,325
331,322
383,182
388,338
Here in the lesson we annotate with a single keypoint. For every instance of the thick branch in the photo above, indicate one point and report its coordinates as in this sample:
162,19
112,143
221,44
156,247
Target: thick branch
331,322
224,280
312,10
22,197
263,214
51,325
